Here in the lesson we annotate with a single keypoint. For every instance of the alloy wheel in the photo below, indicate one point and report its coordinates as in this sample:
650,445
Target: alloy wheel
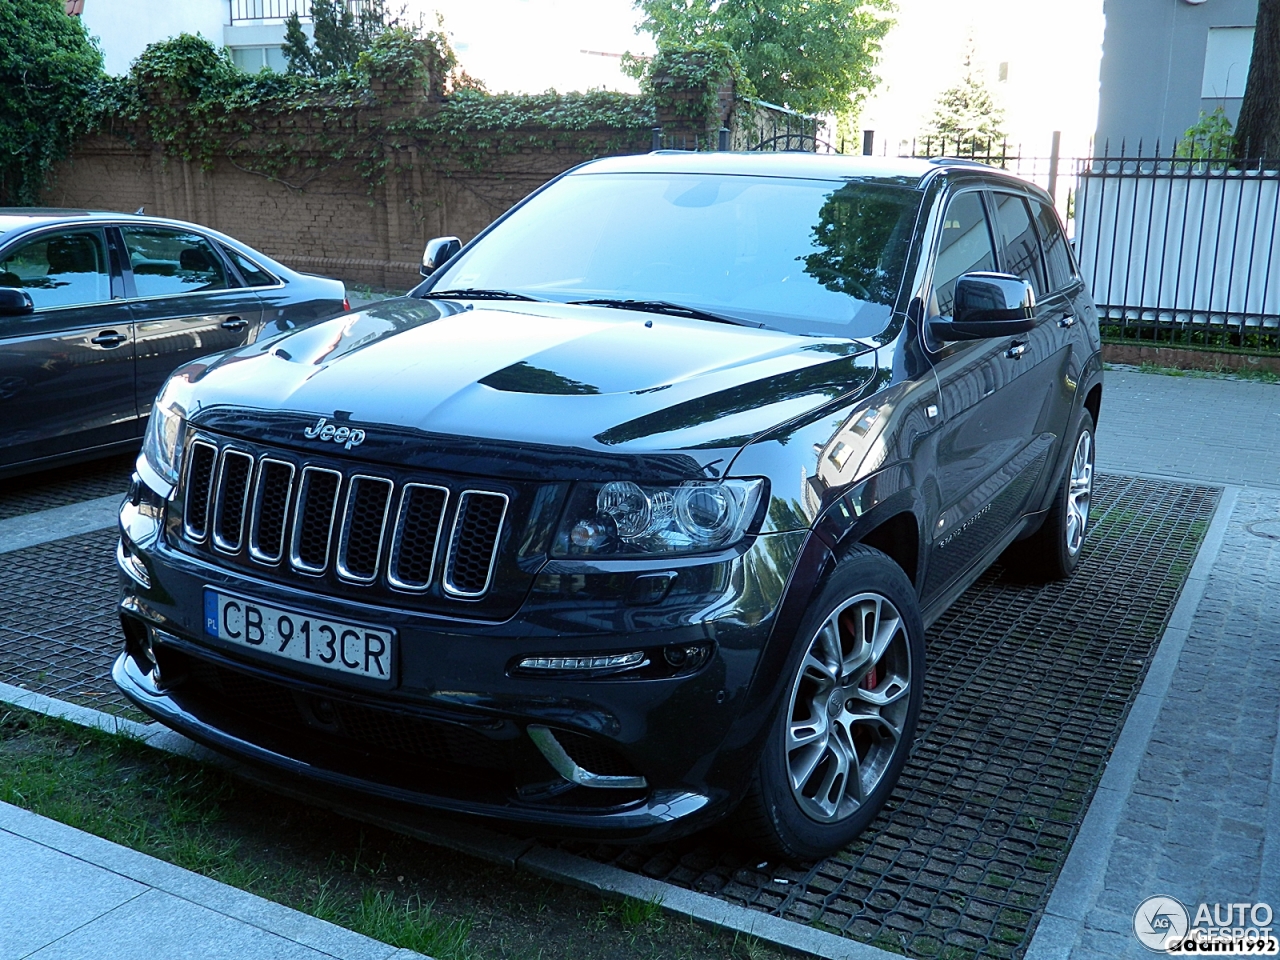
1079,492
849,704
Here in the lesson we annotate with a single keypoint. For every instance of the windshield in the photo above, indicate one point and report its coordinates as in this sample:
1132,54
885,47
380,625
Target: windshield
805,256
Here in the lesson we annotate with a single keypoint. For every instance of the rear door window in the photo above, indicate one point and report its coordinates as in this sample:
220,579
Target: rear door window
170,262
60,270
1021,246
253,274
1057,258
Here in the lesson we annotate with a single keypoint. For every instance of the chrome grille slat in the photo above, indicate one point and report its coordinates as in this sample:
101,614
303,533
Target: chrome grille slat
235,476
416,541
313,519
262,508
473,543
202,460
364,524
272,496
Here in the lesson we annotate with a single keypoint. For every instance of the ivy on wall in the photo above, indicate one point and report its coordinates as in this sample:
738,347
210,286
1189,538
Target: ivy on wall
403,98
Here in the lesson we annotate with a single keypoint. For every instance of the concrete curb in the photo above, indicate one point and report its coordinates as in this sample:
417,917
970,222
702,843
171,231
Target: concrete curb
300,928
1082,875
484,844
45,526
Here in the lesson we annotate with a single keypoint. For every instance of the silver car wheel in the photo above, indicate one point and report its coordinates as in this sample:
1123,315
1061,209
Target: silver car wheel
849,703
1079,492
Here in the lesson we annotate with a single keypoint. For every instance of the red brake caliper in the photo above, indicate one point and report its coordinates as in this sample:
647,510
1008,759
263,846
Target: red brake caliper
870,680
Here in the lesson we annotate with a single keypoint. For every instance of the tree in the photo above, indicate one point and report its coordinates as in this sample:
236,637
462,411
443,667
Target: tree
966,114
49,69
815,56
1258,130
340,36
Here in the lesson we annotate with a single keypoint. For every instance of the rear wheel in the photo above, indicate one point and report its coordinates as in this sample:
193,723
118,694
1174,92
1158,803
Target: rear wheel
847,717
1053,551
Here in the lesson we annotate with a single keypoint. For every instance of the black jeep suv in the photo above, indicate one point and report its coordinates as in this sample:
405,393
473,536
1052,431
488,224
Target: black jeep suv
633,514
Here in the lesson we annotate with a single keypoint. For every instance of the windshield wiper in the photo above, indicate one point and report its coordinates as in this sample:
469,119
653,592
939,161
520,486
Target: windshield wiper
668,308
471,293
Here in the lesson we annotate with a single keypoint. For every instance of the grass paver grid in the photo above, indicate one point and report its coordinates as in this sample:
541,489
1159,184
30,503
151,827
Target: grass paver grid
1028,687
65,485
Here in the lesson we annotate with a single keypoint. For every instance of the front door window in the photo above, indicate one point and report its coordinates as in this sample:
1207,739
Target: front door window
60,270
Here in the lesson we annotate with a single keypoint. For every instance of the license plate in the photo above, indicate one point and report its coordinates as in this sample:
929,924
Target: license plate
348,648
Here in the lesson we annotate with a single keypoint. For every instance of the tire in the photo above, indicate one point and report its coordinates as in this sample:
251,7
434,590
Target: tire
815,733
1053,551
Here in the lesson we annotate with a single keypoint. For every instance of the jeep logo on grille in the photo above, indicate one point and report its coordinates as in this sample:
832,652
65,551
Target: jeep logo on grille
322,429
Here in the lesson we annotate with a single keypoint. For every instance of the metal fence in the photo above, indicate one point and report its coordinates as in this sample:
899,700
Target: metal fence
1182,251
242,10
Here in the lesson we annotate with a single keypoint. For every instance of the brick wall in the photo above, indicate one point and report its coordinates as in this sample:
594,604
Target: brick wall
328,222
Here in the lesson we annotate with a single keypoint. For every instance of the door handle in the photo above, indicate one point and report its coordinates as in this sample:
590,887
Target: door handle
109,338
1068,321
234,323
1016,350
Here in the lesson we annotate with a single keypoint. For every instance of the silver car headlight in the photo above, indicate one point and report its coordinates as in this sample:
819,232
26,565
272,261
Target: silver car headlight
160,462
622,518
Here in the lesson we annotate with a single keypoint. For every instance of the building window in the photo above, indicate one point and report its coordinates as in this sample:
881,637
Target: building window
258,58
1226,62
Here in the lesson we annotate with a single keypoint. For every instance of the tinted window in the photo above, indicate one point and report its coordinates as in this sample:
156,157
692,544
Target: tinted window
806,256
965,248
166,262
60,270
253,274
1056,256
1021,247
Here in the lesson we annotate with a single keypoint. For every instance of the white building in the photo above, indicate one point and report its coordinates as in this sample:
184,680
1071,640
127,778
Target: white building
251,30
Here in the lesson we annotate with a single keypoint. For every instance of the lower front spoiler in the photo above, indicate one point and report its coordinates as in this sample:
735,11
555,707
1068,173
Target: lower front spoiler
663,815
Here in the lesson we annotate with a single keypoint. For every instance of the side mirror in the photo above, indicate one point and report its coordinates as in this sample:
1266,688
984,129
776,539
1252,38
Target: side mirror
988,305
15,303
438,251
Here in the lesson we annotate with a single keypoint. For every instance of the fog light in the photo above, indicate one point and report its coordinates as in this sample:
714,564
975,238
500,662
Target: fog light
609,661
688,656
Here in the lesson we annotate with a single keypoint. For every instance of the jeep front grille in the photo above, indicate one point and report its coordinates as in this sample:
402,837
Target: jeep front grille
314,520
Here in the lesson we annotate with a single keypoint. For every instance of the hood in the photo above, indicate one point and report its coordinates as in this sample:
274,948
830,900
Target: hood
501,375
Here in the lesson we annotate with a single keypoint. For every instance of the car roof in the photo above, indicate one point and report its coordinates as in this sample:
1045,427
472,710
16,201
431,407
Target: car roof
906,171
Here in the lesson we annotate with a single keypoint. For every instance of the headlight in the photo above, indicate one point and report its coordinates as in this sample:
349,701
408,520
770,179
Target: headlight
621,518
160,462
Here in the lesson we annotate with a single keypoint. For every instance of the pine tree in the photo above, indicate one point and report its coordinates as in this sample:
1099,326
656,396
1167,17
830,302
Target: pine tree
967,114
340,36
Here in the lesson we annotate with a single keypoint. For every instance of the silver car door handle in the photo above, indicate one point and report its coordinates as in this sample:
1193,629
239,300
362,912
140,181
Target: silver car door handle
1015,350
109,338
1068,321
234,323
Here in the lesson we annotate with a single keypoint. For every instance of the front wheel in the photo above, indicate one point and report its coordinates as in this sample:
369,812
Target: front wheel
848,713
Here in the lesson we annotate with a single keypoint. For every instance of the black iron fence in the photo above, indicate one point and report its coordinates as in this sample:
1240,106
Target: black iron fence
1182,251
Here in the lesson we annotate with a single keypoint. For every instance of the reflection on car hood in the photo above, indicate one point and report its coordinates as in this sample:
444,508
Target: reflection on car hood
552,375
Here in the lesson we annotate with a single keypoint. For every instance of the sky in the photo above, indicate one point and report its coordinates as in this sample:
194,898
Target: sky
1052,49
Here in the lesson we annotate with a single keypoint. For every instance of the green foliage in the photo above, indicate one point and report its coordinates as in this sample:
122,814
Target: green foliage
49,69
967,114
186,95
686,80
341,36
815,56
1209,138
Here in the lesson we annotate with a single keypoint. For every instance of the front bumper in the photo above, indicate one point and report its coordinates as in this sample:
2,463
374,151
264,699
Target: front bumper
452,734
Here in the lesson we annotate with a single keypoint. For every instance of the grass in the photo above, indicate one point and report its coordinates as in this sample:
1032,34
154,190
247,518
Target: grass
384,885
1222,373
